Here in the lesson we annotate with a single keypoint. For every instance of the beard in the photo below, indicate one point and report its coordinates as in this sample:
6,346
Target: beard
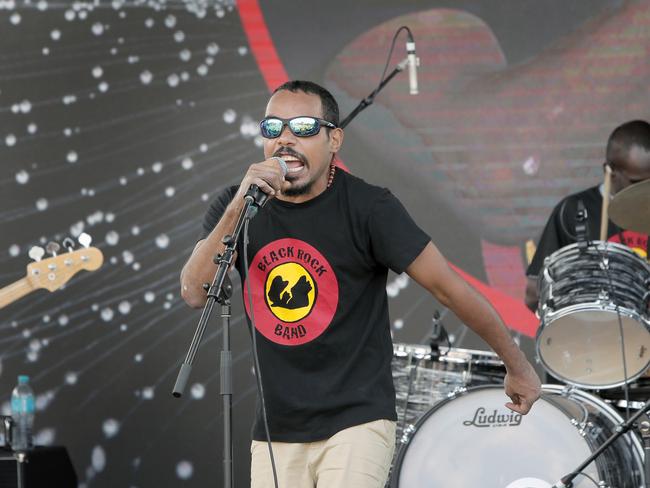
295,191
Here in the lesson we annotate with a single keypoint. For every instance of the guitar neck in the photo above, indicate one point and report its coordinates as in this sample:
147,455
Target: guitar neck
13,292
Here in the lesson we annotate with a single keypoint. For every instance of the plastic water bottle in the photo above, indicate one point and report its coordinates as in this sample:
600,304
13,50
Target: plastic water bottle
22,411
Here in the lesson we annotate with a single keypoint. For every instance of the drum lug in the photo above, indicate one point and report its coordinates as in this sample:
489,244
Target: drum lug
646,297
586,429
567,391
580,426
604,263
407,433
457,391
644,428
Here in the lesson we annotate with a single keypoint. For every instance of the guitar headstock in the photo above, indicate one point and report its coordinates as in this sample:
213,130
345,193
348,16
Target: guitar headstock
54,272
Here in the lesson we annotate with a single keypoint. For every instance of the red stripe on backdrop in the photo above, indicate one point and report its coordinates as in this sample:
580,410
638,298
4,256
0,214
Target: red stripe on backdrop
513,312
261,43
264,51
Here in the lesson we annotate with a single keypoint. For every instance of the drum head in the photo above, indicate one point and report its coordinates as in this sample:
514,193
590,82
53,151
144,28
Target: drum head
583,347
473,440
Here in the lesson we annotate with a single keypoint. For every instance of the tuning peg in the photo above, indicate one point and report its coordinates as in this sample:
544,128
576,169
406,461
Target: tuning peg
52,247
36,253
85,239
68,244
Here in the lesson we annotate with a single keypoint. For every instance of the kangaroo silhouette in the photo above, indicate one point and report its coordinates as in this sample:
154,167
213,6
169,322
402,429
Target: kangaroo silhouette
297,297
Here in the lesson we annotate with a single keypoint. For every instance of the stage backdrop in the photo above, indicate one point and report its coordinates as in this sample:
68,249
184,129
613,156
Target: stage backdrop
122,119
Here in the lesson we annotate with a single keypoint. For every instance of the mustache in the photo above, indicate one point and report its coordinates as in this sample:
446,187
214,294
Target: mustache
287,151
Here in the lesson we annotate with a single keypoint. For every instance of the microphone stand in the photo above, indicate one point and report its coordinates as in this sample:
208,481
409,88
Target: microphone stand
567,481
21,459
220,291
371,98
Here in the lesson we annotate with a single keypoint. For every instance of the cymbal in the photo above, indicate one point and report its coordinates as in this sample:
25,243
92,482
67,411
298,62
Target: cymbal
630,207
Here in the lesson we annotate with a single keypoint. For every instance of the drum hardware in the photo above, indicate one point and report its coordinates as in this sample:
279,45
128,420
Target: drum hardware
619,430
438,334
406,433
550,299
644,429
592,299
604,263
627,404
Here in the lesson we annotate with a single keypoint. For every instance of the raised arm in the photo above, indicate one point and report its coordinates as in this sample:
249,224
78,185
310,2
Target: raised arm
200,267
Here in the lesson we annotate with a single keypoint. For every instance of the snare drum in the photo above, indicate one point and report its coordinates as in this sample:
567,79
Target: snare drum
472,440
422,379
582,295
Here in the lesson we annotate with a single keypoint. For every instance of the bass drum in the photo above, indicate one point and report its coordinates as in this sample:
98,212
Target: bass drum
473,440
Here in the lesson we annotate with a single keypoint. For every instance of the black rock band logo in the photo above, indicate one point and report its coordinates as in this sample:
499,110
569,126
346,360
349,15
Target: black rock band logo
295,292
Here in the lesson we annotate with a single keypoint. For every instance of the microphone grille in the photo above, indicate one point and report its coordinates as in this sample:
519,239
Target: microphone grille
283,165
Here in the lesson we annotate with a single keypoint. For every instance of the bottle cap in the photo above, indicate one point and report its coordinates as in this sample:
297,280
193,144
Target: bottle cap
23,378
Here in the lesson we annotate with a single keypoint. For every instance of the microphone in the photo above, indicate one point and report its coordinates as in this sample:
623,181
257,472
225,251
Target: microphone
283,165
256,196
438,335
413,63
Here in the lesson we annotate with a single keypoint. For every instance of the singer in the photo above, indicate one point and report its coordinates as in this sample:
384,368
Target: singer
319,254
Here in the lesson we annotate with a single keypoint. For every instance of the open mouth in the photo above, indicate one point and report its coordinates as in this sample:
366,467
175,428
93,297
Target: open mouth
294,164
294,168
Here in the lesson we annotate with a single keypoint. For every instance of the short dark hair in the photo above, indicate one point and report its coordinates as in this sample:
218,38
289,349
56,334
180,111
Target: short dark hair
330,107
629,134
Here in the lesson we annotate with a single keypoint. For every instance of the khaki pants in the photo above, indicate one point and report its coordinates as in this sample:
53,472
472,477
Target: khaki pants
357,457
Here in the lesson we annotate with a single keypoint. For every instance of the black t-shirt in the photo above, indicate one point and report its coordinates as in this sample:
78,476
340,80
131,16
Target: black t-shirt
318,273
560,229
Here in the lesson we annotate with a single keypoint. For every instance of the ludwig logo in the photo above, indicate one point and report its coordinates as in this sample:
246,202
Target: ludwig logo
494,418
295,292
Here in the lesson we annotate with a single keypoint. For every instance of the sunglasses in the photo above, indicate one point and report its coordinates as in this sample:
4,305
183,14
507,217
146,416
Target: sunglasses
303,126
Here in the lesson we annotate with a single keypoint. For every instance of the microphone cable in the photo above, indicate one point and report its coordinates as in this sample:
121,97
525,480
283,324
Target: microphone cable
392,47
383,79
256,360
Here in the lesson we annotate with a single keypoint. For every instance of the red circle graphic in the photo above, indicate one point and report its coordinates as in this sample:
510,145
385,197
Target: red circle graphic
315,288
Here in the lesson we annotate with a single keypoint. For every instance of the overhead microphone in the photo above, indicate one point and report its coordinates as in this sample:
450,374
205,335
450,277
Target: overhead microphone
413,63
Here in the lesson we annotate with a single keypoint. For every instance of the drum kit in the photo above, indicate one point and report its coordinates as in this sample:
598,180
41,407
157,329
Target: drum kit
453,429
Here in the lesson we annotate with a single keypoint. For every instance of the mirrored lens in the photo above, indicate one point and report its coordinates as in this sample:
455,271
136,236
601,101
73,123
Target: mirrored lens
304,126
271,128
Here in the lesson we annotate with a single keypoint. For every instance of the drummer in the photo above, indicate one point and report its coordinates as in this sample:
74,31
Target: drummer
628,158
